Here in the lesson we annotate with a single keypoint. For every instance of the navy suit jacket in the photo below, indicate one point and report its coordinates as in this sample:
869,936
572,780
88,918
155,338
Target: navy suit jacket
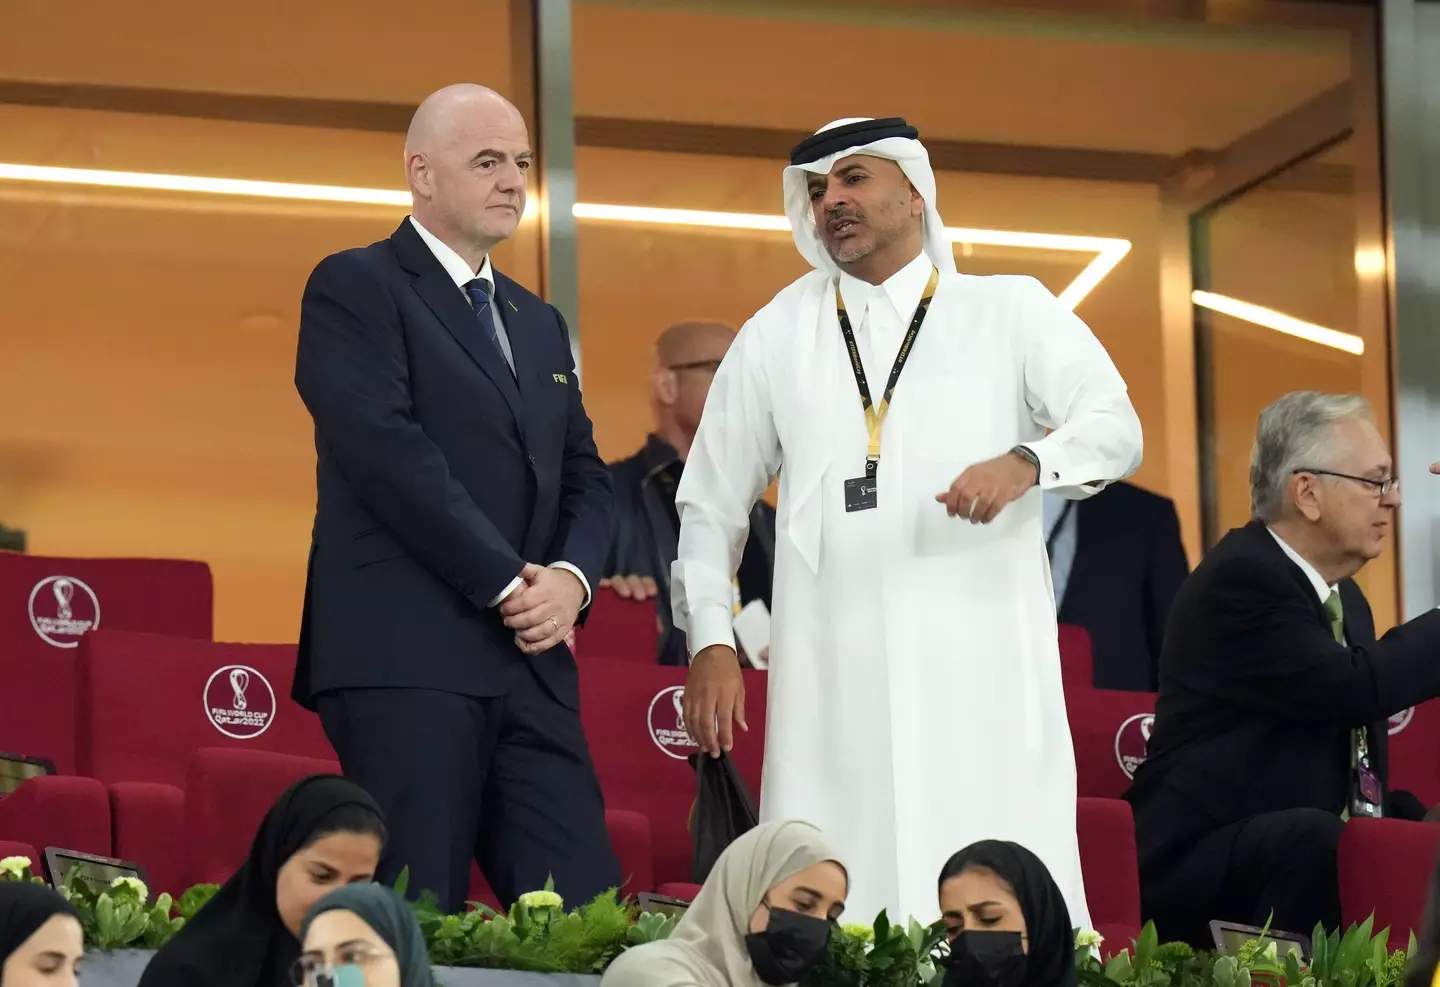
439,476
1129,564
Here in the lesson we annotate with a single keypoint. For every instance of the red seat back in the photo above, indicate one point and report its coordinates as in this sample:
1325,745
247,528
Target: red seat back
46,604
227,793
1111,731
1077,663
1415,752
1106,829
638,741
617,629
147,702
1385,867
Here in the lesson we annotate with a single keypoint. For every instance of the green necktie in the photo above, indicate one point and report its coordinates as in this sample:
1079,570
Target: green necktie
1336,611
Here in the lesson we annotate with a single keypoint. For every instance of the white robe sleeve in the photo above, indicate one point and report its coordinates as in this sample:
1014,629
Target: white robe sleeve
1072,386
735,454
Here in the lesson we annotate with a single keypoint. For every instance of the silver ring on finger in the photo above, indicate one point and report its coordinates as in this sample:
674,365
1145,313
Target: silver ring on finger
555,624
971,513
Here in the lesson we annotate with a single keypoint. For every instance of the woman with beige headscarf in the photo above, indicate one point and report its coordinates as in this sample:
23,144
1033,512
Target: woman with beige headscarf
763,917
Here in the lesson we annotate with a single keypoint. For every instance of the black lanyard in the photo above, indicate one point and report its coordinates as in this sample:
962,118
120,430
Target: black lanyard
875,417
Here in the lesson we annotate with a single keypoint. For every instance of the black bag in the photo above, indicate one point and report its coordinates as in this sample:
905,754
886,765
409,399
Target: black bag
724,809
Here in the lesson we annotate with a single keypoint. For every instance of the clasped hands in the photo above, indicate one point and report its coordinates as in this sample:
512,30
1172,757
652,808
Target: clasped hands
542,610
984,489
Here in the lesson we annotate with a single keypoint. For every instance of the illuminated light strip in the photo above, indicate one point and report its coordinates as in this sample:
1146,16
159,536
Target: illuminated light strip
1108,251
213,186
1269,318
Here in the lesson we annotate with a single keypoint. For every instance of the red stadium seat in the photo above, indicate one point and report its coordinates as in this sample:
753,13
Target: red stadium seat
147,819
639,745
147,701
1110,730
1111,867
60,811
1077,664
617,629
1415,752
46,604
227,793
1385,867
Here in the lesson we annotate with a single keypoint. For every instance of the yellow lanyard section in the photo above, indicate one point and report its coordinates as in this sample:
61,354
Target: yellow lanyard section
875,417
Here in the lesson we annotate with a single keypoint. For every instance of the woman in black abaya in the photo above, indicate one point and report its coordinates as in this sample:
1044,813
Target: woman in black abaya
323,833
1006,920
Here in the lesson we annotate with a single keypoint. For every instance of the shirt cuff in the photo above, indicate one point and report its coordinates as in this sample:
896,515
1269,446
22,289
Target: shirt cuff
710,626
515,584
578,575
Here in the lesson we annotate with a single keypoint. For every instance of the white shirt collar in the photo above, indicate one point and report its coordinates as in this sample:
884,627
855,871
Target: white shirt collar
453,263
903,289
1322,588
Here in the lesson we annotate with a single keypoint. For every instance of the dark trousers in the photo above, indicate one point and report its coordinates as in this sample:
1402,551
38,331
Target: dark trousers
1281,863
505,781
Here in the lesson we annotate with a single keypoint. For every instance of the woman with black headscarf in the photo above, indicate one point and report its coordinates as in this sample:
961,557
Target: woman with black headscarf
368,935
1006,920
323,833
40,938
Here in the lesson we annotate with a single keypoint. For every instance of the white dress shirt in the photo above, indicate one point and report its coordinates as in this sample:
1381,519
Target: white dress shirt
460,272
1317,581
880,315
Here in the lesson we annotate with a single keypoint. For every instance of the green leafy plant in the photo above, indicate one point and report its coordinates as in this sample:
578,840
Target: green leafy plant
883,955
118,916
194,899
537,933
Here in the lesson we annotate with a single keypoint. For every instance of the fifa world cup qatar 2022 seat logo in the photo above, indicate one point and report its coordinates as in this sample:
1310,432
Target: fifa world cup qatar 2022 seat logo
61,609
1132,741
239,702
667,723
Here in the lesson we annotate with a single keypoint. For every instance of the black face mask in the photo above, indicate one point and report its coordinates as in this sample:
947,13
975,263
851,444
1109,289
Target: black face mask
980,959
789,947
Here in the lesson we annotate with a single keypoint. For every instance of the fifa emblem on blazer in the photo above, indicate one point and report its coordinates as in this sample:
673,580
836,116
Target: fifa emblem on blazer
560,378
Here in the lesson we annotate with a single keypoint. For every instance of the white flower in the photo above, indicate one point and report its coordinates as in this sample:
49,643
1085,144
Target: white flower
134,884
542,899
1088,939
17,867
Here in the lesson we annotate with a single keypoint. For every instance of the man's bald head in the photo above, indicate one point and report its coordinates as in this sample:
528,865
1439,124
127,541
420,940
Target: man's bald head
688,342
438,116
688,354
466,157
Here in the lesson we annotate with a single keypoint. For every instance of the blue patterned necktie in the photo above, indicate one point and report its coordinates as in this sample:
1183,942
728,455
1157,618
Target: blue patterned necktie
479,292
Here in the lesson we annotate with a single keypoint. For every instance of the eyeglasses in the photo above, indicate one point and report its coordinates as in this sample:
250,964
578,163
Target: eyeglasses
710,365
311,970
1383,487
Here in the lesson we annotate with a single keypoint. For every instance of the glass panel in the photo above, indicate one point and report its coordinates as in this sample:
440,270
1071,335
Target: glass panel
1282,253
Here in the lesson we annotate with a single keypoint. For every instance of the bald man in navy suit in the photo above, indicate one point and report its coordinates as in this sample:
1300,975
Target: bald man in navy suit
462,517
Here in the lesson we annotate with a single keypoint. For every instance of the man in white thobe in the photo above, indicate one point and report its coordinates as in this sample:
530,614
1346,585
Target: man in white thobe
915,700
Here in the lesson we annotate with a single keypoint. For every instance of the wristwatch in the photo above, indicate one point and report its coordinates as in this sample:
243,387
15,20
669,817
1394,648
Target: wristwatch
1025,453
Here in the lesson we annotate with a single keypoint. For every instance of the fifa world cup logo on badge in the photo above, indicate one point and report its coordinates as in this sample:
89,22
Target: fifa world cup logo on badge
679,698
239,679
64,593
